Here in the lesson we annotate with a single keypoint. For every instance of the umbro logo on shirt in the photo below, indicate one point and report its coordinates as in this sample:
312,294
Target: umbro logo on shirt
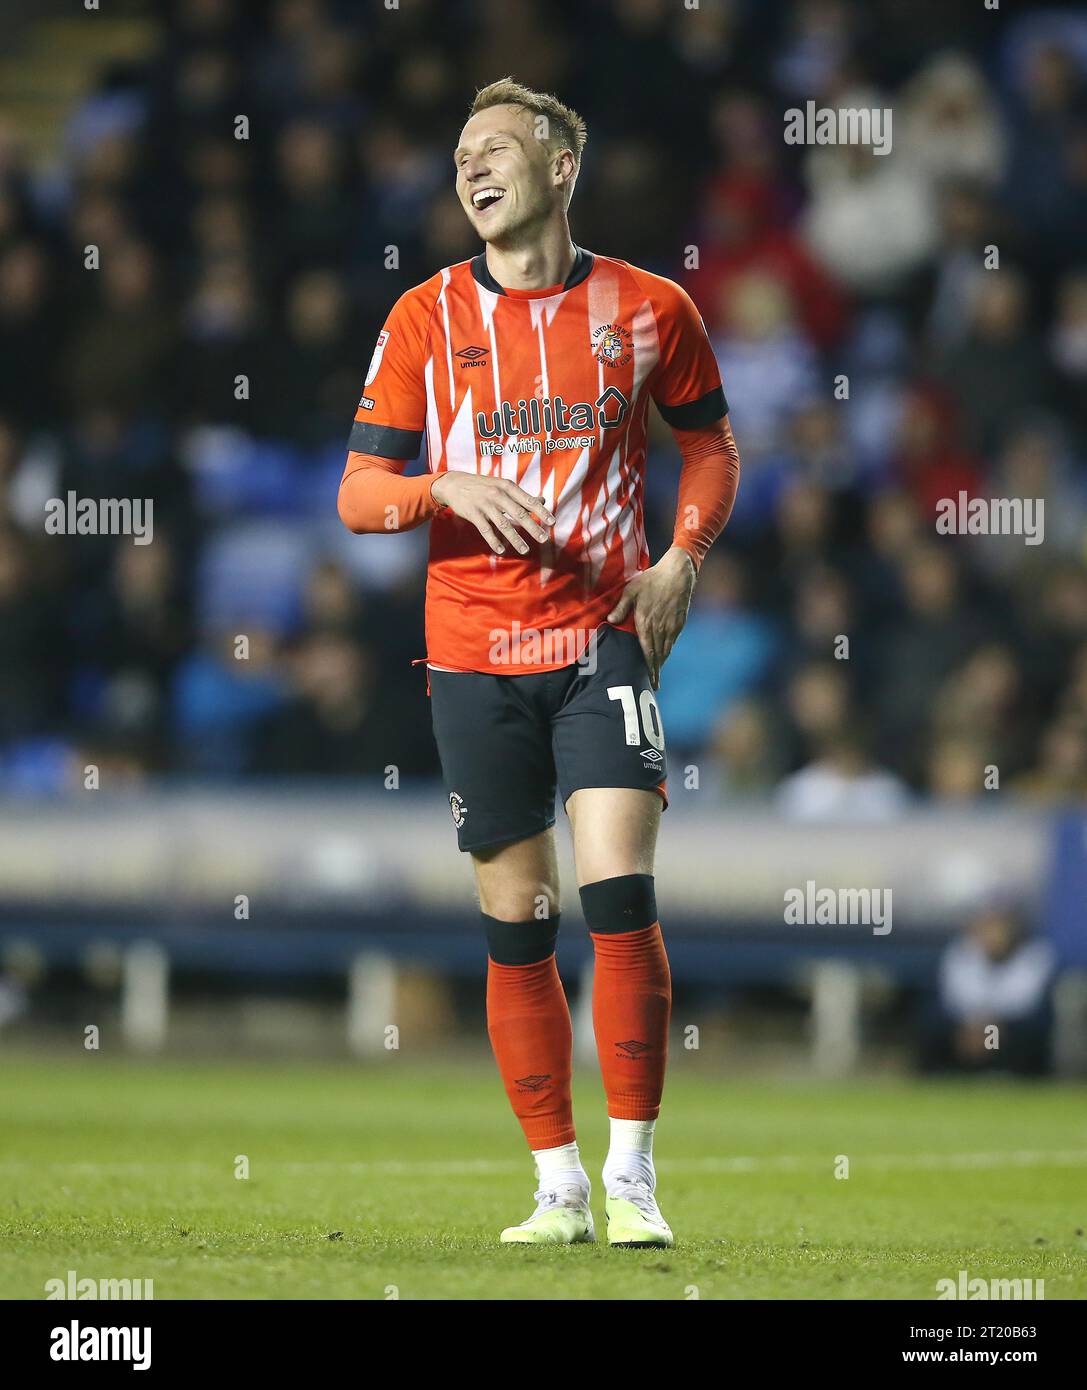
472,357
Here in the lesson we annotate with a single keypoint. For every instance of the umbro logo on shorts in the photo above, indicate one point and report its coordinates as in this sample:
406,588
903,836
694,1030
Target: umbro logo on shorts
651,755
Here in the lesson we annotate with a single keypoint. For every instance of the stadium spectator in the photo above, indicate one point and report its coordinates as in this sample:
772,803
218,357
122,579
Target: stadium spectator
330,726
1060,775
930,462
741,233
872,222
950,124
937,629
992,1010
998,372
844,784
1068,352
744,755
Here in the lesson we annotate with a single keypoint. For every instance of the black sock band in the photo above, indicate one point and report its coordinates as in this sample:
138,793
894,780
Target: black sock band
520,943
627,903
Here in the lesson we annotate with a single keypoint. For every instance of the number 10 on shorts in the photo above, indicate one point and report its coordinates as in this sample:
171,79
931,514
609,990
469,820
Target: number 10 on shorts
649,729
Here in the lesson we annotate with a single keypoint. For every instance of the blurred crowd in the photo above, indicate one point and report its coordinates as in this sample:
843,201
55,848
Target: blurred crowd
892,330
992,1009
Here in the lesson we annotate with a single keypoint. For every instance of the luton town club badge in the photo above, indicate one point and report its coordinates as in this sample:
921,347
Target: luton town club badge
613,345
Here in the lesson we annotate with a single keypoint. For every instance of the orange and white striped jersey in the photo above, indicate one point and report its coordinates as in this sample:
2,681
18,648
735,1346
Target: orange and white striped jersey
549,388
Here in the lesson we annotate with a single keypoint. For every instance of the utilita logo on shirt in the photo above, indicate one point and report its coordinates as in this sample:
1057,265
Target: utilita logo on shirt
553,416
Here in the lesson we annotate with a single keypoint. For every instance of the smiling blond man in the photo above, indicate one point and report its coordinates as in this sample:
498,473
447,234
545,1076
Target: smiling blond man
529,370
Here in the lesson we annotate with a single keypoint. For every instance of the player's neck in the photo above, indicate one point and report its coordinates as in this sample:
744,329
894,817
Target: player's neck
546,261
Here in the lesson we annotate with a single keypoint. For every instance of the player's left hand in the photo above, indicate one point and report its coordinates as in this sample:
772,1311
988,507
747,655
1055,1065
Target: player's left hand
659,597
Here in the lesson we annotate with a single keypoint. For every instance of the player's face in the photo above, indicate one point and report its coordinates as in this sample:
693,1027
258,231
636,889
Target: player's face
504,176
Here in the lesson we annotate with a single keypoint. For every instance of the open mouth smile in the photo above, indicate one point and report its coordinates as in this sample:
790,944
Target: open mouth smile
484,199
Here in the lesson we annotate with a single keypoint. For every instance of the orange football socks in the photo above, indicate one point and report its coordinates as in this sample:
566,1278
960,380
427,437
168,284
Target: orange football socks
632,993
528,1020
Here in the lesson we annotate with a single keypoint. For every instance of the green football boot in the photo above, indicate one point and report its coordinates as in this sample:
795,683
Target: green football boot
562,1217
634,1219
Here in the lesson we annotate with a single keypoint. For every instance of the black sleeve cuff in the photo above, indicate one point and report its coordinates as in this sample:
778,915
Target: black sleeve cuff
695,415
384,441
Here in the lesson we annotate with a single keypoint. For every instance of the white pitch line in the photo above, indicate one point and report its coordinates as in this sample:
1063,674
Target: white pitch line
1009,1158
737,1164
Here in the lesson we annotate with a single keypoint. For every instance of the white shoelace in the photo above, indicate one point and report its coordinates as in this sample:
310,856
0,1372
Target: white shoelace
547,1198
638,1192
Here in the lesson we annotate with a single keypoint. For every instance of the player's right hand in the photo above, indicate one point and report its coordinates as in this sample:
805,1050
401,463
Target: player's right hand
495,507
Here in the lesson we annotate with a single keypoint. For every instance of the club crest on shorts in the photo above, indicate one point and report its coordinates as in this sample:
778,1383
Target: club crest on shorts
457,809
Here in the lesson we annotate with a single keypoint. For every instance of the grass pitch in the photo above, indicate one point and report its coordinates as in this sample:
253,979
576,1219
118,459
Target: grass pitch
393,1181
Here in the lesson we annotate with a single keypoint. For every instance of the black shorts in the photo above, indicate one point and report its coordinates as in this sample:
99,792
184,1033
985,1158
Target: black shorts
506,742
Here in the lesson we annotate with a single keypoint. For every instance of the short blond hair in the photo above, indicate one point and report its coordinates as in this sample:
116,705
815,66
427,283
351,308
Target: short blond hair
565,128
